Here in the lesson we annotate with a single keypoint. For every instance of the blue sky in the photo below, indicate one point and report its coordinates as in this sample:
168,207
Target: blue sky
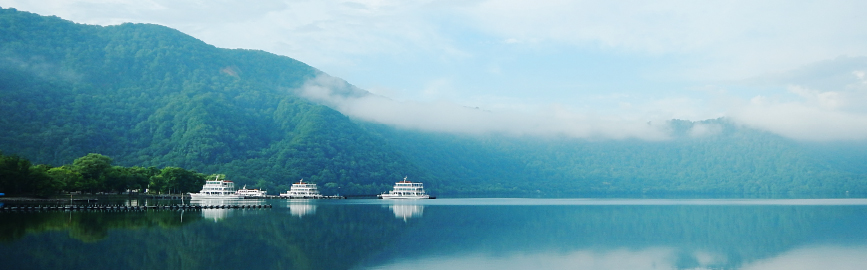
574,68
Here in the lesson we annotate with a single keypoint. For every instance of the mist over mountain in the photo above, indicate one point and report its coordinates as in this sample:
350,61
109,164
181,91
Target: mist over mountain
148,95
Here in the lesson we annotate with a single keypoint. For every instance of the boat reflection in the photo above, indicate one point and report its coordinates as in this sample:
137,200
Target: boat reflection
407,211
301,207
217,213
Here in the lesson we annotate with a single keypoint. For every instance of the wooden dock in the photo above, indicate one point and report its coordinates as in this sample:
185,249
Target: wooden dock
6,208
287,198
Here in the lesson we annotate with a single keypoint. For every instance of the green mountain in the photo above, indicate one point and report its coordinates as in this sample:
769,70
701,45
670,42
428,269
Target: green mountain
147,95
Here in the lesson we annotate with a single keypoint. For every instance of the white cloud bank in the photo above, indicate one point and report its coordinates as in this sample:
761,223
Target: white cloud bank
453,118
712,39
805,114
799,121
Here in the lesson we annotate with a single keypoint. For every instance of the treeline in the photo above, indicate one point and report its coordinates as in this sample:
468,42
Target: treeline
92,173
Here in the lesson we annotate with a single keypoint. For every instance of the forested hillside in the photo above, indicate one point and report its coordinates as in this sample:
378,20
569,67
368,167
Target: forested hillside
150,96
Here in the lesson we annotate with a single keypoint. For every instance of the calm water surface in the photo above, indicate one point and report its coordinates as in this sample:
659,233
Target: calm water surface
449,234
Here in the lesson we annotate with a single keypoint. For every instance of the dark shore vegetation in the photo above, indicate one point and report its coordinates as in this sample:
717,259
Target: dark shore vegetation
91,174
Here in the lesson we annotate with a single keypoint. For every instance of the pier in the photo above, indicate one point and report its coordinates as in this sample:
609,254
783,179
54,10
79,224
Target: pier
125,207
287,198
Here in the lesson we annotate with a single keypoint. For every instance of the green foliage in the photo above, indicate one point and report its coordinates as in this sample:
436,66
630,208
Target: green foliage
94,170
178,180
14,174
92,173
68,178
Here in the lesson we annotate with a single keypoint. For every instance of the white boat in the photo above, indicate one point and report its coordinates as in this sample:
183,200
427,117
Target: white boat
405,190
302,190
217,189
251,193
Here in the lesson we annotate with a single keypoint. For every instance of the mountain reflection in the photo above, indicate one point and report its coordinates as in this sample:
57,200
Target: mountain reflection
814,257
89,226
336,237
668,236
453,234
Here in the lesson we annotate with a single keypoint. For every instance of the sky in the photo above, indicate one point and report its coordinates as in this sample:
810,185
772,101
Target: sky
585,69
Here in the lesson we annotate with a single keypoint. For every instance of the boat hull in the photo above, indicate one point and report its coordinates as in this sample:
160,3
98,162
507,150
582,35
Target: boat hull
403,197
197,196
302,196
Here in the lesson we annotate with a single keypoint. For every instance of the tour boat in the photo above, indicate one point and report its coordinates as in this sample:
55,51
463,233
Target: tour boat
247,193
302,190
405,190
217,189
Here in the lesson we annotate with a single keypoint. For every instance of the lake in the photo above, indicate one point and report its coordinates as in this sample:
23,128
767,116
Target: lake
467,233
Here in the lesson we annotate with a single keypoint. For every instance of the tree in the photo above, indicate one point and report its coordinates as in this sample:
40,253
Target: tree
158,184
69,178
180,180
40,183
94,170
140,177
14,171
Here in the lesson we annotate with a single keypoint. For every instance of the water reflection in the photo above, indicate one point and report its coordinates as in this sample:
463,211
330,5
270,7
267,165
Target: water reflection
816,257
407,211
656,234
453,234
809,258
301,207
217,214
88,226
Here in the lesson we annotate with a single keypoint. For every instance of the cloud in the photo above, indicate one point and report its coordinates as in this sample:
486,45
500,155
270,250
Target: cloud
166,12
801,121
828,103
39,67
709,39
324,33
704,130
442,116
804,114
